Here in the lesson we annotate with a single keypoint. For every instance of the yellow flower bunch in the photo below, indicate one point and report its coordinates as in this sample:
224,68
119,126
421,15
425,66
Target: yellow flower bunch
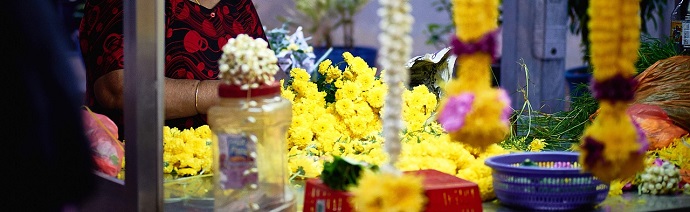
380,191
321,130
187,152
677,153
483,116
616,187
537,145
614,37
479,16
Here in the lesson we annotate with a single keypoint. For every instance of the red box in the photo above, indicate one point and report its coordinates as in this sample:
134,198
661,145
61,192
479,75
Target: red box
444,192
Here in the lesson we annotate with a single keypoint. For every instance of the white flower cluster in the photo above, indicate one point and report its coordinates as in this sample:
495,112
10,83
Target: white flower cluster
396,24
247,62
662,179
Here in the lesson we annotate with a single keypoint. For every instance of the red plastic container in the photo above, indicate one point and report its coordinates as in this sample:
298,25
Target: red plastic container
444,192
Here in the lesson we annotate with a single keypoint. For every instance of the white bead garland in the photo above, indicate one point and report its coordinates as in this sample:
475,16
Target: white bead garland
396,24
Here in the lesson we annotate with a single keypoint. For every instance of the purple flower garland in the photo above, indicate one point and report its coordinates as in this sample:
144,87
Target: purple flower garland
487,43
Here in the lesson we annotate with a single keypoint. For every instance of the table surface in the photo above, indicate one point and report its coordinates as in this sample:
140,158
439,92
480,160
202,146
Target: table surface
628,201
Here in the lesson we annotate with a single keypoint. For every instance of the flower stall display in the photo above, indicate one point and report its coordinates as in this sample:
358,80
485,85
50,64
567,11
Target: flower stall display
350,126
292,51
614,34
472,111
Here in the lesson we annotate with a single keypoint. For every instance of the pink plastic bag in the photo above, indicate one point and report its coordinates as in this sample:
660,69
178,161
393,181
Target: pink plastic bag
107,151
659,128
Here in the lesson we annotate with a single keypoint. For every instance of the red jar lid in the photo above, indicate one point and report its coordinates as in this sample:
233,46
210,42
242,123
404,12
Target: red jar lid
234,91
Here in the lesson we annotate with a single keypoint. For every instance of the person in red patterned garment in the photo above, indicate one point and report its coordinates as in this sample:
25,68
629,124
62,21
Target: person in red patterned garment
195,32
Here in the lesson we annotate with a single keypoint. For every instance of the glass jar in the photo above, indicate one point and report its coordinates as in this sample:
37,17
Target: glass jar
250,151
680,26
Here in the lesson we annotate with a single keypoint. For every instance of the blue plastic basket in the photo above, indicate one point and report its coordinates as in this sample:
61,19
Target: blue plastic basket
555,183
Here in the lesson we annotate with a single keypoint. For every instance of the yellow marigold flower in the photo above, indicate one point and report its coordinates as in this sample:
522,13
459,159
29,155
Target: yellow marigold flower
300,136
299,75
350,90
324,66
203,131
306,166
366,82
287,94
537,145
333,74
476,17
345,107
338,83
348,75
386,192
375,96
294,151
677,153
186,172
616,187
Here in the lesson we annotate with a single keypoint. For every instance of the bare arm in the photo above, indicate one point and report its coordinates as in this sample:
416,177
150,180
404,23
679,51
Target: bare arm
179,94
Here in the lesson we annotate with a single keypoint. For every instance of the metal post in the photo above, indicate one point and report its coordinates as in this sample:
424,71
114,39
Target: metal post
142,189
534,32
143,109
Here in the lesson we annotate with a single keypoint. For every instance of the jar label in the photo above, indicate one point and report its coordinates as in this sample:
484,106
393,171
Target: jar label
236,164
677,31
686,33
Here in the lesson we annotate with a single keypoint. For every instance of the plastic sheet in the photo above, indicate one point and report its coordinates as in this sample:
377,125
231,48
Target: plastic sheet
107,151
659,128
667,84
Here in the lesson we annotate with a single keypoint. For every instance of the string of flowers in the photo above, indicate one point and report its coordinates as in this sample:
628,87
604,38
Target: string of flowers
473,112
396,24
613,146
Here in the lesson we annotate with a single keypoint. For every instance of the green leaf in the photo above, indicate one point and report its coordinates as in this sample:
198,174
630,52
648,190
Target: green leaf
342,173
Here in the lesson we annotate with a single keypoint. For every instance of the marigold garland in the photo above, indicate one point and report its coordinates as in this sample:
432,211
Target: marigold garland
381,191
613,146
486,122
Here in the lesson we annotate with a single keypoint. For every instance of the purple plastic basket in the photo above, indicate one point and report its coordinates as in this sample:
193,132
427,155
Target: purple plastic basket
545,188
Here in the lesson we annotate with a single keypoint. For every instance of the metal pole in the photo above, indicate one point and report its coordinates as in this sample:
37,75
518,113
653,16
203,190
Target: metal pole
143,105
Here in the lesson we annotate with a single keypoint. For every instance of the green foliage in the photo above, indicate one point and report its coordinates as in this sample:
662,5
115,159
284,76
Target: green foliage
322,17
436,32
341,173
652,50
560,130
650,10
328,88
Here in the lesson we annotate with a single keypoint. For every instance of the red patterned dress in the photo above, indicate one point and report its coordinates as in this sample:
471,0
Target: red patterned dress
194,36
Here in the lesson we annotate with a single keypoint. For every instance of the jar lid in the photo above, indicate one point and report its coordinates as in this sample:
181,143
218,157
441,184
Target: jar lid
234,91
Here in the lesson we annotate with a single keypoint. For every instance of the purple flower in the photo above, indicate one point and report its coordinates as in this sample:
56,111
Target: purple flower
658,162
615,88
627,186
507,110
595,151
641,137
488,43
453,115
